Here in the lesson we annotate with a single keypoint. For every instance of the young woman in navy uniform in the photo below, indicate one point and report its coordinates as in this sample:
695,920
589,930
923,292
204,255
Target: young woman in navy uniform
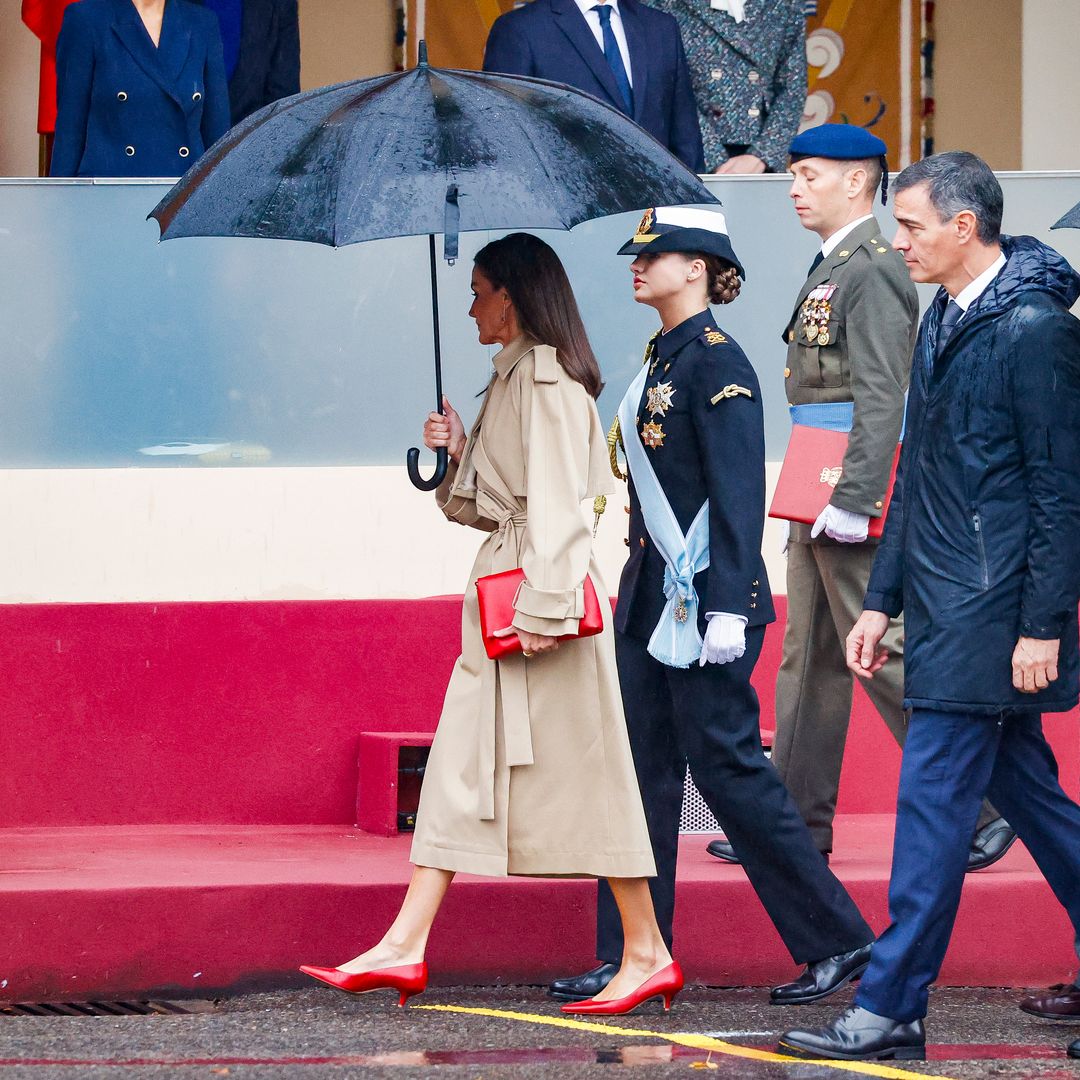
694,601
141,88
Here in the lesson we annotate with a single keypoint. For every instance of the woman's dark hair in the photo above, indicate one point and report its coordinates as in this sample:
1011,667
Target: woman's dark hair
724,283
534,278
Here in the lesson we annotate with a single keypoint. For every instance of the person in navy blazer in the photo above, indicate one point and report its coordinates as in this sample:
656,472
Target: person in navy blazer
266,57
552,39
128,107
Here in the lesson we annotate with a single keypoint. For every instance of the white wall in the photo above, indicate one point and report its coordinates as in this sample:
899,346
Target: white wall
1050,121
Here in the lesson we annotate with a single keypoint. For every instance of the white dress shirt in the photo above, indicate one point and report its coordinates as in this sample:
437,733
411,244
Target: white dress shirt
837,238
971,292
735,8
593,19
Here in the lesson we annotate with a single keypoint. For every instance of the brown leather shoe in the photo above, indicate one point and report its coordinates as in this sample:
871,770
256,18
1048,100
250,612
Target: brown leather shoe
1060,1002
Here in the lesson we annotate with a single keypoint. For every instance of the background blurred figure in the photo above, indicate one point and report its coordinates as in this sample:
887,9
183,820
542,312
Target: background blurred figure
748,69
141,88
620,51
261,40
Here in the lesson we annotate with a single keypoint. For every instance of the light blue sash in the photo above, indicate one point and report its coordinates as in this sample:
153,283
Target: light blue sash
831,415
675,641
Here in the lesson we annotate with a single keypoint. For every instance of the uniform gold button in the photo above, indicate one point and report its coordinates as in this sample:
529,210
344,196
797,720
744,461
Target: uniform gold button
121,96
844,254
787,373
882,250
755,582
753,605
878,504
716,73
754,76
753,113
184,151
196,96
791,335
129,150
642,541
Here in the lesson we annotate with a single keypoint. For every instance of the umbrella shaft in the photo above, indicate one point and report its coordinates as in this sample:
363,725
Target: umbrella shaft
435,321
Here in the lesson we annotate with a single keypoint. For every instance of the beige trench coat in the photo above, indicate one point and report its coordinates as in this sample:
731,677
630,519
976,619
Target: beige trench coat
530,772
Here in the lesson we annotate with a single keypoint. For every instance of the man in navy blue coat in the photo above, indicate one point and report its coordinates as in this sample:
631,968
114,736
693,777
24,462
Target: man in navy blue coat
620,51
980,553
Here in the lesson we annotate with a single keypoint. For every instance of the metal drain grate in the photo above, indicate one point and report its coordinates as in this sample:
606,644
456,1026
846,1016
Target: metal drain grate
107,1008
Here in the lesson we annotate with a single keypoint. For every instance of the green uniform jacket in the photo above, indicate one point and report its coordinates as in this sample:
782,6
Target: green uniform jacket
872,322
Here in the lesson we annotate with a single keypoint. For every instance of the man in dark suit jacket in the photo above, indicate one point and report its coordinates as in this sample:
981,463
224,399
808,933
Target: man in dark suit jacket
262,51
563,40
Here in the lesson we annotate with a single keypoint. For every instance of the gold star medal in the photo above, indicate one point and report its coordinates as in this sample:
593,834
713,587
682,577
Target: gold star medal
659,398
652,435
679,612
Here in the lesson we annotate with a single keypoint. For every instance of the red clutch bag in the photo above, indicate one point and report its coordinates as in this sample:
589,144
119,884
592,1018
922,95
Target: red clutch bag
497,593
812,467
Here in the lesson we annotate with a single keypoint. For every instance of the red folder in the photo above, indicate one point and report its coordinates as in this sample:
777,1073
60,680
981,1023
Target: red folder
812,467
497,592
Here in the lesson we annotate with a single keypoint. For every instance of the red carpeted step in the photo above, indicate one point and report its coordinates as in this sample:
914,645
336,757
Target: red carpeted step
157,909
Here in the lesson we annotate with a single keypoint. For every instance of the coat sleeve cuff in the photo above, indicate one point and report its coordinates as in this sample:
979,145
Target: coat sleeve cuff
890,604
1043,629
550,603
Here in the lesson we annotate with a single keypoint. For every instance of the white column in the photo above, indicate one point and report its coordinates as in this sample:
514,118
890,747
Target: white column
1051,84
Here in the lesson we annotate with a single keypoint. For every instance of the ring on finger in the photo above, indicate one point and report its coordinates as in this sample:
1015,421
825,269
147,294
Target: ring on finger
526,654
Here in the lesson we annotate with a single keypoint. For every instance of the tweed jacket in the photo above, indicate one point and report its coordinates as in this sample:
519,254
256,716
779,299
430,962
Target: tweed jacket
867,360
749,78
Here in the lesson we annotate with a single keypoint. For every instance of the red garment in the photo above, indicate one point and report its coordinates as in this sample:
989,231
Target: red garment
44,18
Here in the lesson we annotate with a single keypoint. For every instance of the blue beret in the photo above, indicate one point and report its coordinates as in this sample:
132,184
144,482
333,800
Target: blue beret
842,142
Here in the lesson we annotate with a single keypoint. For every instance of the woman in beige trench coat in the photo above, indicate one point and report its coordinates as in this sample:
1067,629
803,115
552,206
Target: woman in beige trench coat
530,772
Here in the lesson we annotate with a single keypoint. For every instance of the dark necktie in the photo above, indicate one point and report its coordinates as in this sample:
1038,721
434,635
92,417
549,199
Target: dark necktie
614,59
818,260
950,317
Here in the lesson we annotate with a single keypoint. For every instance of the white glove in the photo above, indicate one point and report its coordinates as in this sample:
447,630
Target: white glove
785,536
841,525
725,638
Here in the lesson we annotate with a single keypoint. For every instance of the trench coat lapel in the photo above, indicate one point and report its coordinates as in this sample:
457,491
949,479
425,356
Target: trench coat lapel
576,30
165,62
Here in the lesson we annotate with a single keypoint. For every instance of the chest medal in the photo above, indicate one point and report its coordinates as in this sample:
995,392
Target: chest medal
659,398
816,313
652,435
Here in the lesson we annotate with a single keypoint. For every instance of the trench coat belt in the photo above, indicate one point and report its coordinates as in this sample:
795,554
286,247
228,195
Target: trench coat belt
505,691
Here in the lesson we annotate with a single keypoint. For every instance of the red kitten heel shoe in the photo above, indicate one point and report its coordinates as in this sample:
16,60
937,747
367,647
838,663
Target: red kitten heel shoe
666,983
408,981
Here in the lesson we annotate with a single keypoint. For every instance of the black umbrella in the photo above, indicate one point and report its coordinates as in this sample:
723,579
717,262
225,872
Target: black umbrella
424,151
1069,220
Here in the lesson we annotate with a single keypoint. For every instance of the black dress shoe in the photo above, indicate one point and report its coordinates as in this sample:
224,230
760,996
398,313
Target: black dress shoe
822,978
582,987
990,844
858,1035
1073,1049
721,849
1060,1002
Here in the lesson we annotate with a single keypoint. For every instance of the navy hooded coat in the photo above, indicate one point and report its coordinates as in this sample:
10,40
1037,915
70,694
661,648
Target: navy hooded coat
982,538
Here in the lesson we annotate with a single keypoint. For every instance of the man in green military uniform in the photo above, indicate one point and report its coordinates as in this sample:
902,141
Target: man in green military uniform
850,339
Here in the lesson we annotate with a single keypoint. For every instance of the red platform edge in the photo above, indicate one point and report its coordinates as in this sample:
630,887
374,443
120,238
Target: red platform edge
180,786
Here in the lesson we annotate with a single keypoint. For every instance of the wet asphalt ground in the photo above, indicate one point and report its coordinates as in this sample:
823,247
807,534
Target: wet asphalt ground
317,1033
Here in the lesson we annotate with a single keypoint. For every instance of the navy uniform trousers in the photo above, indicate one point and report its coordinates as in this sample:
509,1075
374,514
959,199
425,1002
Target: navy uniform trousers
951,760
708,717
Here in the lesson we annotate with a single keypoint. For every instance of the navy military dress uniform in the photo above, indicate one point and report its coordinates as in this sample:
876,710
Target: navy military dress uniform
701,423
128,108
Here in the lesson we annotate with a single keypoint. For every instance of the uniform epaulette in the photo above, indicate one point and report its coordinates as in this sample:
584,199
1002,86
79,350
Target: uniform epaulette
545,364
713,337
878,244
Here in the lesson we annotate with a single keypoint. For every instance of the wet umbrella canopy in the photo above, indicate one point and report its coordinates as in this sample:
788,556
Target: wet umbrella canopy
424,151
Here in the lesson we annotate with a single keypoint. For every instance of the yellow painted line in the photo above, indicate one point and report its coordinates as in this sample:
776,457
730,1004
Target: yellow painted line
696,1042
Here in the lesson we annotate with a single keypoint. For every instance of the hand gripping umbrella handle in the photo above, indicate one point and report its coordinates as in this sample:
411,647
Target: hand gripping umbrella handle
413,457
413,460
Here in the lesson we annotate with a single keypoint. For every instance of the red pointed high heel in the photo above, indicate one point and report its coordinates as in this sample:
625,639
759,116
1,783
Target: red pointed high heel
666,983
408,980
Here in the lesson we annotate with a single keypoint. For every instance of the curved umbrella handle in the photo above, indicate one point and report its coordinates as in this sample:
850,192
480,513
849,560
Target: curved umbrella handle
413,463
